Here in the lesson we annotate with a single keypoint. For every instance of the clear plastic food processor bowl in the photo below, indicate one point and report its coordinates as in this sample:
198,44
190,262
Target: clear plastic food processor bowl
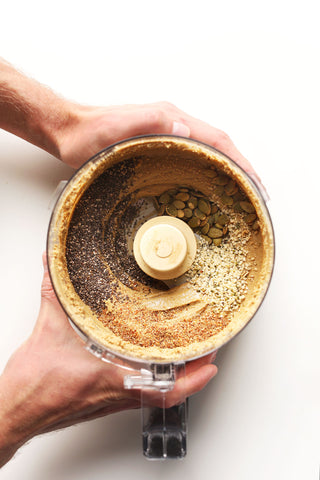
164,430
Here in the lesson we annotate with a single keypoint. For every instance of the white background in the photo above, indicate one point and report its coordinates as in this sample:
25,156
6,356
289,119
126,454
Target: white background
252,69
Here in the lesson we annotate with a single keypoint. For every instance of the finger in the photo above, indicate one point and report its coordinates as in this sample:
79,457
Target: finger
191,384
51,312
184,387
219,140
47,292
149,119
206,133
163,118
194,365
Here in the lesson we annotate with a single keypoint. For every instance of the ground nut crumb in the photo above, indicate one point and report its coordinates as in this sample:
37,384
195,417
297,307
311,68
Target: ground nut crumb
220,273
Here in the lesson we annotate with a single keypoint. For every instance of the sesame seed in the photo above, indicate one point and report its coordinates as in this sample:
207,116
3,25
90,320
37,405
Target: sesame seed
219,273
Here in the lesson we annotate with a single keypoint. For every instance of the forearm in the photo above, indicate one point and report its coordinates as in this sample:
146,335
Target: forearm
28,407
31,110
14,429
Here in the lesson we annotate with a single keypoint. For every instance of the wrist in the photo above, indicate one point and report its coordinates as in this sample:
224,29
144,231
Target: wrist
23,412
14,432
61,131
53,126
32,111
84,132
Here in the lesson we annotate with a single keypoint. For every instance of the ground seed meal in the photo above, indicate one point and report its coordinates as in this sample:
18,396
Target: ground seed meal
96,239
217,295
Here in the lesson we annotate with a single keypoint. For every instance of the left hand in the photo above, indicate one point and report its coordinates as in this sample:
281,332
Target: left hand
91,129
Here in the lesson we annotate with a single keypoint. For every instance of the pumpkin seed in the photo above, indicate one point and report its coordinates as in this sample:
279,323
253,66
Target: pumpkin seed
221,218
192,203
226,200
238,197
205,229
172,210
217,242
214,208
250,218
221,180
204,222
198,195
165,198
231,188
256,225
211,220
208,239
199,214
204,206
237,208
194,222
211,173
161,210
188,212
179,204
203,215
247,207
215,232
183,196
218,190
156,203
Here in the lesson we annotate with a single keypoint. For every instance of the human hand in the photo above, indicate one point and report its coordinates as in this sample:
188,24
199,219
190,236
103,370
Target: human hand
74,133
90,129
52,382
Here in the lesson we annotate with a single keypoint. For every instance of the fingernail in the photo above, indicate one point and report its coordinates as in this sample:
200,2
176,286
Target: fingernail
180,130
213,357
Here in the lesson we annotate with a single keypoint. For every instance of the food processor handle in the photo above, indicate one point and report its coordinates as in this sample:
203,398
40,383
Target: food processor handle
164,430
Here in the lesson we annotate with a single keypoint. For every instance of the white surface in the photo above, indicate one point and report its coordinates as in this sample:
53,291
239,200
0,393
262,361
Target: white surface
251,69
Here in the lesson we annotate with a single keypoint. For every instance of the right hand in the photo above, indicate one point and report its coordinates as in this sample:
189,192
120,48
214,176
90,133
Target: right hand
61,384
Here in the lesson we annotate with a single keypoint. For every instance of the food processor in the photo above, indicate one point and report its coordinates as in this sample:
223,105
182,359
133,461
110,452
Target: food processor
124,244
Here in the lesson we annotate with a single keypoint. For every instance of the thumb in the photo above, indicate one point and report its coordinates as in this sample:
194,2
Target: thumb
47,292
50,308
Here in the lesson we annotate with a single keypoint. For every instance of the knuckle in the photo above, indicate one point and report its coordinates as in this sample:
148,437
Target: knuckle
47,289
222,138
167,105
157,118
161,114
